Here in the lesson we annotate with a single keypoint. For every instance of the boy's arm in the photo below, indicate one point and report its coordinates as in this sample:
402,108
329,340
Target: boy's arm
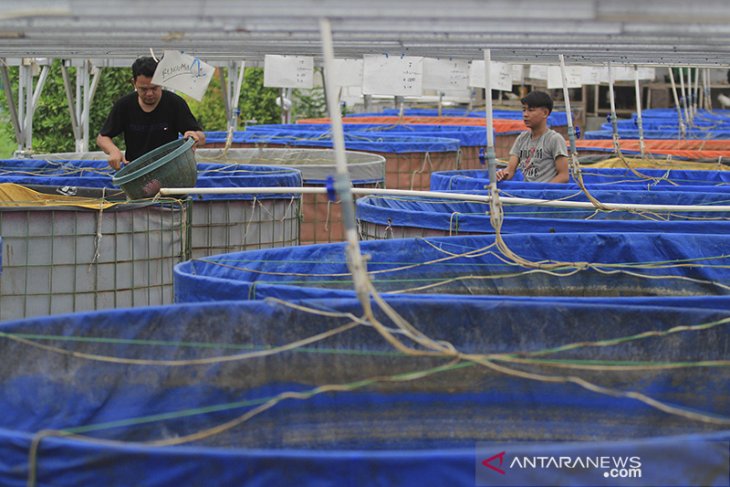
509,172
561,165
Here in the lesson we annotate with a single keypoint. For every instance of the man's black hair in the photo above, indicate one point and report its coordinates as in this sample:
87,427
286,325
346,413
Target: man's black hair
144,66
538,99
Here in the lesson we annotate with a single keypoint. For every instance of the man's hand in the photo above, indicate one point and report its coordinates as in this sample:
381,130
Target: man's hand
193,135
505,174
115,159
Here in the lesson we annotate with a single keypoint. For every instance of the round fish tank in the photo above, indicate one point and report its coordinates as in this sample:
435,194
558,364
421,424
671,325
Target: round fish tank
273,394
321,220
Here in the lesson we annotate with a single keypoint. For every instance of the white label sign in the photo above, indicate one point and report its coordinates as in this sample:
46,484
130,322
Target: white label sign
573,75
591,75
184,73
393,76
501,74
346,72
538,71
518,73
647,74
619,73
444,75
288,71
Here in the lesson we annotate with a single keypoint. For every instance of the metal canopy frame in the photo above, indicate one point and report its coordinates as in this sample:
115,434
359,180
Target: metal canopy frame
587,31
91,34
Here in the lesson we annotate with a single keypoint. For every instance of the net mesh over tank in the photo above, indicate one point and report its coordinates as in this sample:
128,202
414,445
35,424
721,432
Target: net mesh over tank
321,219
410,160
313,394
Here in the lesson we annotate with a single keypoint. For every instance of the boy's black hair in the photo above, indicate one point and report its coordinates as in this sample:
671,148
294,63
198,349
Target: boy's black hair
538,99
144,66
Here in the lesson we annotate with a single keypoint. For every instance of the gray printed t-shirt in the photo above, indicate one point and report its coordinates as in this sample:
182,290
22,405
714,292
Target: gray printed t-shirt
537,157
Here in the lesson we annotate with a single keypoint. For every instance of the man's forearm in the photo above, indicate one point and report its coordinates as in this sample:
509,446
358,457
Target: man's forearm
116,157
106,144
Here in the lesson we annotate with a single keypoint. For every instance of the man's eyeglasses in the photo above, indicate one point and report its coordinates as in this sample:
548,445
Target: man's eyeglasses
147,89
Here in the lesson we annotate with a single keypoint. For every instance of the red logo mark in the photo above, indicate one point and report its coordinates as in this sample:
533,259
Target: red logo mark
487,463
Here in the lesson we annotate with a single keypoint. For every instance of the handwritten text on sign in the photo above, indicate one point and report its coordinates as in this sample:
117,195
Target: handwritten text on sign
444,75
501,75
183,73
394,76
288,71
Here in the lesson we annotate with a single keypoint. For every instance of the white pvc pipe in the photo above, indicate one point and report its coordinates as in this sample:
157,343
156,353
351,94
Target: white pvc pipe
639,119
684,95
568,114
682,126
689,96
489,114
701,89
28,114
86,109
614,118
39,87
696,100
343,183
22,73
79,105
237,94
69,99
7,88
450,196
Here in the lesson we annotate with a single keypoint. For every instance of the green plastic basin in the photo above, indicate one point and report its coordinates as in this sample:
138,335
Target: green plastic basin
171,165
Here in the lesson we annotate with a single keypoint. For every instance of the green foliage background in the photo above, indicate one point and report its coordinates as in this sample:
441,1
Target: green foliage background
52,126
51,122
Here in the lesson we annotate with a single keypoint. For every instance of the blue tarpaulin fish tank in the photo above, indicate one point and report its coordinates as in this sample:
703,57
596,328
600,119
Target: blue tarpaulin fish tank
555,119
471,138
596,178
409,159
219,222
397,217
578,265
271,393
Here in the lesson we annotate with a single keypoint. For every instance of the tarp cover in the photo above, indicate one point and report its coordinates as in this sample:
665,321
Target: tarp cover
663,117
611,178
501,127
473,217
667,133
631,264
366,142
97,174
16,195
397,420
72,156
714,150
555,119
467,136
657,163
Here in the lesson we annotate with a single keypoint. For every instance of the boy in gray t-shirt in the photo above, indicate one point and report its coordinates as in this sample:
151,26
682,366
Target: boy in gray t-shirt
540,153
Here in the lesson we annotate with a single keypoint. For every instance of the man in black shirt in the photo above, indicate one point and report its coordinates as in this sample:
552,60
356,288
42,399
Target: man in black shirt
149,118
